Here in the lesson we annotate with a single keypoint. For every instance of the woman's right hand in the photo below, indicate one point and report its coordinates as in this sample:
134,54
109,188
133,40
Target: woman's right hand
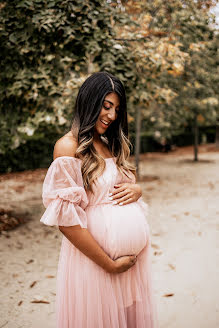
122,264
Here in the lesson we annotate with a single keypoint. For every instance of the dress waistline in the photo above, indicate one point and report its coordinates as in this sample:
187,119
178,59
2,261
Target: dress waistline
98,204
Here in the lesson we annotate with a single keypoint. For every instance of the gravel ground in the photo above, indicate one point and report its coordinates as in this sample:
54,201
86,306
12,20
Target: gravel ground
184,218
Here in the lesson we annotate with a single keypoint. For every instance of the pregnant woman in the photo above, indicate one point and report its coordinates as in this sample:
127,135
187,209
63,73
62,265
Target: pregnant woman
104,271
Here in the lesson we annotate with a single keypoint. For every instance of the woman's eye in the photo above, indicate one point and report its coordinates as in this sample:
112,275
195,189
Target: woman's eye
107,108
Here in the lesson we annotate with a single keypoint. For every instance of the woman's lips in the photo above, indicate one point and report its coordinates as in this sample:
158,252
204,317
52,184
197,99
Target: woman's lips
104,125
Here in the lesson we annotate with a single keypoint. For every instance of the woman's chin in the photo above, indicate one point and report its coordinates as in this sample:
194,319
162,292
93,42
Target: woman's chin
101,131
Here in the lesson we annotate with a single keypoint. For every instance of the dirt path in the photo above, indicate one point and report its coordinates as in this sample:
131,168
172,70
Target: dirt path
184,221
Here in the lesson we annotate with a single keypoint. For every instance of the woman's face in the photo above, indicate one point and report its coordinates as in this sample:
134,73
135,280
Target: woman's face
108,113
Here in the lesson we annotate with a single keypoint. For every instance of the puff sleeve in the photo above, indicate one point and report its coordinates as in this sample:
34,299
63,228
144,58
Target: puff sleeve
63,194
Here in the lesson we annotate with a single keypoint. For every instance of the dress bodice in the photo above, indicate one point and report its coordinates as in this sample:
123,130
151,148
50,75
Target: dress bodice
105,183
64,195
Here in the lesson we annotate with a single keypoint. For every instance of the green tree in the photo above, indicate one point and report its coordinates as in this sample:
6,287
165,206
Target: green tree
174,51
47,49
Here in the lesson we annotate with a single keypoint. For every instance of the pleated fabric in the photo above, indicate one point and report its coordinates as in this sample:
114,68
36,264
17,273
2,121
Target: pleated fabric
86,295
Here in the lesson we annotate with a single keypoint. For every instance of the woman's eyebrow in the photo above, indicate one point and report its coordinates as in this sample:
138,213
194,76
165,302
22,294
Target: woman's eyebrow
110,102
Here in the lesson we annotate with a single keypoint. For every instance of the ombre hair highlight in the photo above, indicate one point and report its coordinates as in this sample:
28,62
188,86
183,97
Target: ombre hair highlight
88,106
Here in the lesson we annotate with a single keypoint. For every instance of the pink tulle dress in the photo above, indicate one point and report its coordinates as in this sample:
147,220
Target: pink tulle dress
87,296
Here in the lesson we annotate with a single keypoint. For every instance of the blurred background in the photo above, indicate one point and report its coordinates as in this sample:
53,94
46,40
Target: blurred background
166,54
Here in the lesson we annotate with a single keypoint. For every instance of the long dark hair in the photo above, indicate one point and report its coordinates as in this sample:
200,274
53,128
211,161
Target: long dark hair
88,106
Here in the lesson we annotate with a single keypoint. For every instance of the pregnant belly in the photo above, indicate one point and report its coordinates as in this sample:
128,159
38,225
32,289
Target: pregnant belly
119,230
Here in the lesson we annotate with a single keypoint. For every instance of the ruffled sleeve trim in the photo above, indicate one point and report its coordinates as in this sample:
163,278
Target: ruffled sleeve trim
63,194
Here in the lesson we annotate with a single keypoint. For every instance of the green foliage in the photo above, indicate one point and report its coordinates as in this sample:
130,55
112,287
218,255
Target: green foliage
164,52
47,49
175,60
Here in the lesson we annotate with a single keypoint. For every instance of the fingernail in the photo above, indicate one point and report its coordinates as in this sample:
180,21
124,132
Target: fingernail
110,194
110,198
115,202
121,203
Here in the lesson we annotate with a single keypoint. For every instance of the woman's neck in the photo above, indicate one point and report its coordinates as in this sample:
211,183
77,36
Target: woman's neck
97,138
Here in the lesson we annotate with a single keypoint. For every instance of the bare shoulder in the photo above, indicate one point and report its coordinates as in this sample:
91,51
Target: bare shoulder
65,146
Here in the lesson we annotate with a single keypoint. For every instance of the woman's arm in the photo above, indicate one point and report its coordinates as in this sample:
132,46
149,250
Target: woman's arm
83,240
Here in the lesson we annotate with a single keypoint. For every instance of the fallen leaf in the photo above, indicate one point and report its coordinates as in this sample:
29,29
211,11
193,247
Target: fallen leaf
157,253
30,261
172,266
211,185
168,295
50,276
19,303
40,301
14,275
9,221
155,246
33,284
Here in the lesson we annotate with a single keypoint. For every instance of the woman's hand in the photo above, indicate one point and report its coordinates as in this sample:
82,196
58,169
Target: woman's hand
122,264
125,193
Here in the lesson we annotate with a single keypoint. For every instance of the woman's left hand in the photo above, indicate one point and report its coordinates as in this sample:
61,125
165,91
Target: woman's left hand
125,193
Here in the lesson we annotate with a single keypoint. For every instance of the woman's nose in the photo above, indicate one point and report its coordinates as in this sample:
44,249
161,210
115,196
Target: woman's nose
112,114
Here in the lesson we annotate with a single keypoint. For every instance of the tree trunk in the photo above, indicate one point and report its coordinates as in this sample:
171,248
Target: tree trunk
217,135
196,138
137,139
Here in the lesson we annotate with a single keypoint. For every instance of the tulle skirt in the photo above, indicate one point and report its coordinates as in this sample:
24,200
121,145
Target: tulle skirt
88,296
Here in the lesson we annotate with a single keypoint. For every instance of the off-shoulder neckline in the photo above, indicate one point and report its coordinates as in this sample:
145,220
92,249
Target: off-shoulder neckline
75,158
